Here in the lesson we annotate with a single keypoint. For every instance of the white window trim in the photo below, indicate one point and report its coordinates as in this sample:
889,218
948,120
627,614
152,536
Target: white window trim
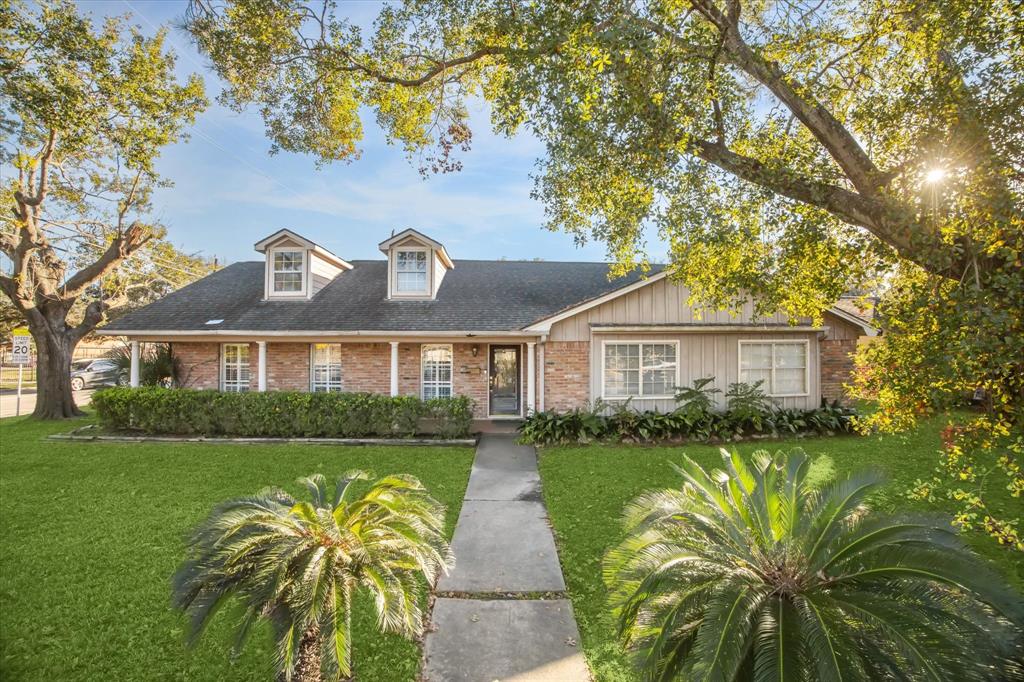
224,364
773,343
427,292
312,357
451,381
301,293
641,342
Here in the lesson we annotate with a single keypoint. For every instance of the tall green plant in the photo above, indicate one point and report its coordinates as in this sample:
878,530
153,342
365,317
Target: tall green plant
299,564
157,364
751,574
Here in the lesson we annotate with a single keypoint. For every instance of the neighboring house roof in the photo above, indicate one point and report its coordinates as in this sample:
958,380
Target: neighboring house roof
476,296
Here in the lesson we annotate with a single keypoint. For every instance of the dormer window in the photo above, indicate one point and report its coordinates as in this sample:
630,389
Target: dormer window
289,272
411,271
416,265
296,268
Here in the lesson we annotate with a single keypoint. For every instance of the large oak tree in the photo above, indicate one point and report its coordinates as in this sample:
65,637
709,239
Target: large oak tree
786,149
85,111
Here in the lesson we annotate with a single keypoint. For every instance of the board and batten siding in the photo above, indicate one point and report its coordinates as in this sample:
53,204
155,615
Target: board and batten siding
701,354
659,302
707,355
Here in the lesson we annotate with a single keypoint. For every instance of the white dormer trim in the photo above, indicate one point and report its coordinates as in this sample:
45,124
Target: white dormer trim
284,233
306,284
285,240
386,245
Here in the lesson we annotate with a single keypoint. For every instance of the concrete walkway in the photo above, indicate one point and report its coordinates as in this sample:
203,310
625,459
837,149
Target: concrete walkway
491,624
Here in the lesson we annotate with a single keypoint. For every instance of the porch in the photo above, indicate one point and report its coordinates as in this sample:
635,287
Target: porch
501,374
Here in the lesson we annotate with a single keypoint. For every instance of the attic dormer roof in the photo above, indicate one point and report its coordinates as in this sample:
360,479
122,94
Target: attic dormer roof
284,233
386,245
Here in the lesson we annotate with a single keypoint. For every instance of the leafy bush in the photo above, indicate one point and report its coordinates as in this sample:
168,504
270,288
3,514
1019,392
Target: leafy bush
752,573
278,414
749,412
748,408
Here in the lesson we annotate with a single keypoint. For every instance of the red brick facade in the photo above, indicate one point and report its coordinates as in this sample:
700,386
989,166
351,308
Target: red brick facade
566,374
199,364
287,366
364,367
836,367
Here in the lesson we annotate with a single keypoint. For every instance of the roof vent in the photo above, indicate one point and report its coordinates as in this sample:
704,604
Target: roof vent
214,321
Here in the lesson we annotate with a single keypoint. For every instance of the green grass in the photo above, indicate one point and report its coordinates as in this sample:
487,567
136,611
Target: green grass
586,489
90,535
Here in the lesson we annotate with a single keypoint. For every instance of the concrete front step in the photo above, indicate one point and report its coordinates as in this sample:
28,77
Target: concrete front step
481,640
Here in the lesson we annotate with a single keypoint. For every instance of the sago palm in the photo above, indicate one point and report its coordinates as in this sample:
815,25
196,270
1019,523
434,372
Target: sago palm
750,573
298,564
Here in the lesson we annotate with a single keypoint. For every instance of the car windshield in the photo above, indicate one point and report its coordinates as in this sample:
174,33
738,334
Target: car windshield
80,364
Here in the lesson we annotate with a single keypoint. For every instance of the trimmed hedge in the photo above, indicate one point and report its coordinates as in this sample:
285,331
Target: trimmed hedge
278,414
684,423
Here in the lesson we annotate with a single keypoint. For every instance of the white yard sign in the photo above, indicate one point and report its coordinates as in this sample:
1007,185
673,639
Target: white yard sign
22,350
21,355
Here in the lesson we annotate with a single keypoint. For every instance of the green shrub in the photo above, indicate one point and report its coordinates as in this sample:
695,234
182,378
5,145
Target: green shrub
748,412
278,414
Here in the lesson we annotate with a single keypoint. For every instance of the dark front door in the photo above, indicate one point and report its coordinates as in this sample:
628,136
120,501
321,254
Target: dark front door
504,380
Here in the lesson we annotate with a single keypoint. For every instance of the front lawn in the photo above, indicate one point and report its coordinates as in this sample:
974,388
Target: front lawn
586,489
90,535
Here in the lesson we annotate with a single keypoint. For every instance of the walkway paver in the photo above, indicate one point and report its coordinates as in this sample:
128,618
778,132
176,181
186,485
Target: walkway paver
503,547
503,544
507,639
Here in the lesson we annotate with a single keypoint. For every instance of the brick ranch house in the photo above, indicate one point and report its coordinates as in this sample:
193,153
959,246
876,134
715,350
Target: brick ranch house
514,336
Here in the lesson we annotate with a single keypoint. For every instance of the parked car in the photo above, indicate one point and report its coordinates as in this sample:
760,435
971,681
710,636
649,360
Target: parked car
100,372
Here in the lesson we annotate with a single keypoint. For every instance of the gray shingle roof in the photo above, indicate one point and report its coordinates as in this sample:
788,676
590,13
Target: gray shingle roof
474,296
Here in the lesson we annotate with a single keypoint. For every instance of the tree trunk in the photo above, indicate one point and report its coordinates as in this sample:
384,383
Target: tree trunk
307,658
53,371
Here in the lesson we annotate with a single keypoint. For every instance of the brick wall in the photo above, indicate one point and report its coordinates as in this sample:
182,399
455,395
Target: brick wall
366,367
836,367
408,368
469,376
566,374
287,366
199,364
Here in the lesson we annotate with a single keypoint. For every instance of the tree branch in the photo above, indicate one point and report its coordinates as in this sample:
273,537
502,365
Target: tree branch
846,205
122,247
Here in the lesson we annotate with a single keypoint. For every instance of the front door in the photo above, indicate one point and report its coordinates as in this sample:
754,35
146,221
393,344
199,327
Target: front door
504,372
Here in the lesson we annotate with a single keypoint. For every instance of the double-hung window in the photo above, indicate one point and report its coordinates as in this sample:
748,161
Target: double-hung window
411,272
235,367
325,374
639,370
781,365
289,273
436,369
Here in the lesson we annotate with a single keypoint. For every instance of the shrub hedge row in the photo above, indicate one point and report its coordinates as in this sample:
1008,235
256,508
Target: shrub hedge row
279,414
748,412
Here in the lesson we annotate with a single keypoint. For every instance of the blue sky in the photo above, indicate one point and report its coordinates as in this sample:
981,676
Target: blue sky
229,192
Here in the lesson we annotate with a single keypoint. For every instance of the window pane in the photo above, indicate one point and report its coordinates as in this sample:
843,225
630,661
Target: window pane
287,281
755,356
288,261
789,381
790,355
326,369
436,372
412,281
659,381
752,376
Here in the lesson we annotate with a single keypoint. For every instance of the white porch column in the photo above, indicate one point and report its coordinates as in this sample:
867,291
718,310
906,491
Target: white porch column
394,368
133,374
261,366
540,378
531,377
